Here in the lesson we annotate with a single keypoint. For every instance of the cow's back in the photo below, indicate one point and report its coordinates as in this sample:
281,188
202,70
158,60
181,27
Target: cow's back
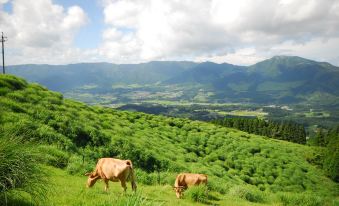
110,168
188,179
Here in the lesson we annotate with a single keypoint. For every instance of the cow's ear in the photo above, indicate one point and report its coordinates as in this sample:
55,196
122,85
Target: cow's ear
88,174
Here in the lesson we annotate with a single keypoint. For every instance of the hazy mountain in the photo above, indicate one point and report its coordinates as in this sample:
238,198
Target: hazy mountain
67,77
206,73
281,79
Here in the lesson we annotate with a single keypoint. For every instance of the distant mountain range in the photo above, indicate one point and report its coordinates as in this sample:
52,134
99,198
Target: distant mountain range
281,79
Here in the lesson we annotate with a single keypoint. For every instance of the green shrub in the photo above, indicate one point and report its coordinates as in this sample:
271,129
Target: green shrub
215,185
12,82
289,199
77,165
197,194
155,178
4,91
18,96
12,105
146,178
331,162
54,156
135,199
247,193
167,178
20,169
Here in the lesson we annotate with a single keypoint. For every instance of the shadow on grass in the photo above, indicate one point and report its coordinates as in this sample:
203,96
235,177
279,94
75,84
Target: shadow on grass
14,201
212,197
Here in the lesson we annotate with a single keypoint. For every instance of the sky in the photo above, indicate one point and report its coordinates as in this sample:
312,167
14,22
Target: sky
241,32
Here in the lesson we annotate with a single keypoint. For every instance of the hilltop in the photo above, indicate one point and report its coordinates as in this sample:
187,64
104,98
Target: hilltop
160,147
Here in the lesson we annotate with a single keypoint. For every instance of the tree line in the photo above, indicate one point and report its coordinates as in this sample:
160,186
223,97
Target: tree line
284,130
329,139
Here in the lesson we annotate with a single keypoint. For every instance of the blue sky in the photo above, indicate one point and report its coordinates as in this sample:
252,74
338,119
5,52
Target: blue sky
90,35
240,32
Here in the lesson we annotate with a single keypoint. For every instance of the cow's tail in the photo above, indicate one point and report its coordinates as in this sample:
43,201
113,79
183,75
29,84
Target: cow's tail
131,176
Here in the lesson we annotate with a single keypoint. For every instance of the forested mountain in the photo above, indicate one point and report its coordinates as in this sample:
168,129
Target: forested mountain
281,79
74,135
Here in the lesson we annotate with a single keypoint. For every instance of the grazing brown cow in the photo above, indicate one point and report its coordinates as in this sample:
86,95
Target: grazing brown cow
114,170
184,180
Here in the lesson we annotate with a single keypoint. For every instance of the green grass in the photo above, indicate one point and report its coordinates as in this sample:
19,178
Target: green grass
70,190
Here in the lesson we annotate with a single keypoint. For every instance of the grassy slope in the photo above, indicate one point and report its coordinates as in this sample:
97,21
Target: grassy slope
228,156
70,190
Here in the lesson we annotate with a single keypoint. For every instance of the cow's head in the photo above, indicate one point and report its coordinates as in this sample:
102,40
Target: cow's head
92,178
179,191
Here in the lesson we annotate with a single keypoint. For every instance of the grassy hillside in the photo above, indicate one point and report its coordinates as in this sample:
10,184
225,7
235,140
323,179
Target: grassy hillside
239,165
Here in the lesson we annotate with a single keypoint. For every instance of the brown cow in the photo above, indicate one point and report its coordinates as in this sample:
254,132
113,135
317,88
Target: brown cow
114,170
184,180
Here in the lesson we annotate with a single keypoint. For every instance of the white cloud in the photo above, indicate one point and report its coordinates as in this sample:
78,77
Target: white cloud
239,32
244,56
40,31
216,29
75,18
319,49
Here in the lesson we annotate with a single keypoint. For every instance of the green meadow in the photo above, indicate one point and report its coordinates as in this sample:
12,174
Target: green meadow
67,137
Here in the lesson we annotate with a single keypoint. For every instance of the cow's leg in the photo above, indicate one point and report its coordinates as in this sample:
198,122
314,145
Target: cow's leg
123,184
106,184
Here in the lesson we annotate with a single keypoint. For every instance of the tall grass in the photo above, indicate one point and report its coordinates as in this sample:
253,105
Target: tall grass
289,199
21,171
247,193
135,199
198,194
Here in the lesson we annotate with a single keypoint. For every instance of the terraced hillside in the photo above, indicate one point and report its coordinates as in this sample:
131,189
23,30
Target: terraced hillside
239,165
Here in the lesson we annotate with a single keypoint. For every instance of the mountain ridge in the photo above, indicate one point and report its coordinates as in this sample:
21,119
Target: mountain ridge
280,79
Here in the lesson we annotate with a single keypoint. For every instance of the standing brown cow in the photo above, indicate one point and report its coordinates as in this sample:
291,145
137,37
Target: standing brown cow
110,169
184,180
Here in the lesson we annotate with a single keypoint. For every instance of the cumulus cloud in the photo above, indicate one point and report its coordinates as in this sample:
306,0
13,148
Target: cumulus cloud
238,32
216,29
40,31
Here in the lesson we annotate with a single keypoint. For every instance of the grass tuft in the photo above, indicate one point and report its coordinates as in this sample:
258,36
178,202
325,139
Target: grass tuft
21,171
246,193
135,199
289,199
198,194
